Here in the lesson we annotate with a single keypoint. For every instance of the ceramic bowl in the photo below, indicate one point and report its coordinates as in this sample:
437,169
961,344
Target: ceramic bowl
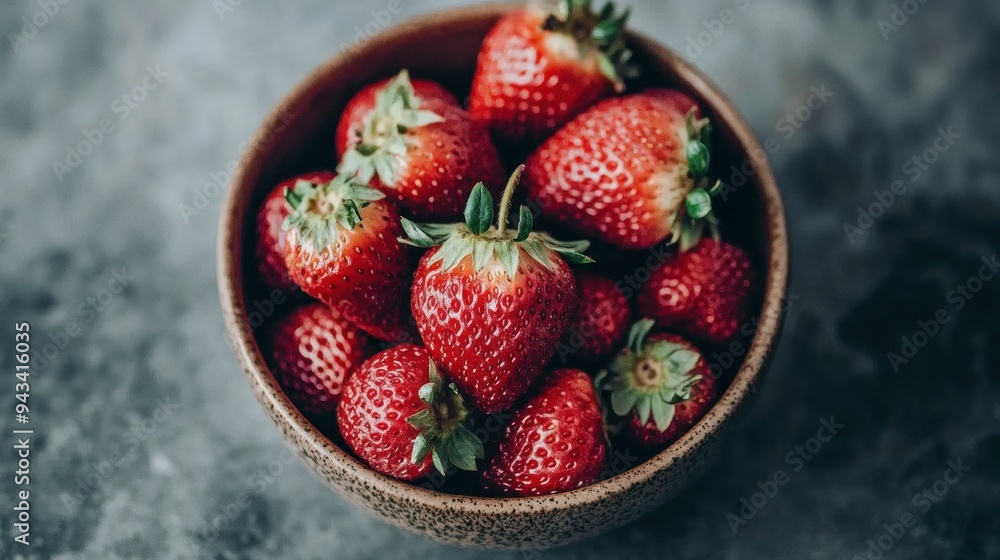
298,137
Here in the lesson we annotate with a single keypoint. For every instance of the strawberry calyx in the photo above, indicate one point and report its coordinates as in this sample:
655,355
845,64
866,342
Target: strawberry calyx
599,33
444,427
384,138
696,213
485,241
650,378
319,210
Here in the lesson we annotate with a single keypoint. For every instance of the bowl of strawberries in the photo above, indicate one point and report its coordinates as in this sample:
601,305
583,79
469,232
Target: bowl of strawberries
483,275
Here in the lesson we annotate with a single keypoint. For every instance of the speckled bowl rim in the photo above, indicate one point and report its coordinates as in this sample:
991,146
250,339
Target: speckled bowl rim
230,279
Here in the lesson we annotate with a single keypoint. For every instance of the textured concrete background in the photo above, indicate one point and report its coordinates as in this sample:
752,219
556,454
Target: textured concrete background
146,430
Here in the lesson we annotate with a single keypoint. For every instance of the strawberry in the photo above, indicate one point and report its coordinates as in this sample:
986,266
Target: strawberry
314,349
630,171
537,69
705,292
662,384
398,415
341,248
556,442
489,303
414,143
602,319
271,235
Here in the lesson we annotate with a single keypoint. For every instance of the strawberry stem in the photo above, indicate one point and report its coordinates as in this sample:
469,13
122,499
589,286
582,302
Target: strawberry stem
508,193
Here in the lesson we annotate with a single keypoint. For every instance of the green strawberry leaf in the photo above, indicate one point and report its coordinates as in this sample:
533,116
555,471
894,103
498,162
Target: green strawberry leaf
608,69
537,249
464,449
573,257
682,362
525,223
384,141
692,232
637,335
427,393
699,203
293,198
663,414
421,447
605,31
479,210
482,252
453,252
508,255
417,236
643,407
439,461
698,158
624,400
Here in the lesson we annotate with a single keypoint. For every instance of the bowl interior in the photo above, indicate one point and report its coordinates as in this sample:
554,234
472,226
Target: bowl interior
298,137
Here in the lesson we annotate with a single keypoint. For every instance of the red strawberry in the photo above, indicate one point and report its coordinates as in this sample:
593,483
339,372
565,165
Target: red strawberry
491,304
361,107
314,350
705,292
271,234
629,171
555,443
538,69
602,319
414,143
662,384
398,416
342,248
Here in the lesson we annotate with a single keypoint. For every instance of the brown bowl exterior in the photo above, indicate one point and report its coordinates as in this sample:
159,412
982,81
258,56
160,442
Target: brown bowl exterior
298,137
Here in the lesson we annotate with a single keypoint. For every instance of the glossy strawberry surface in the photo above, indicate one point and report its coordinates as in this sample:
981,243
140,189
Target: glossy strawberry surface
492,335
314,350
364,273
271,236
375,406
442,162
529,81
600,324
554,443
705,292
687,413
363,103
618,172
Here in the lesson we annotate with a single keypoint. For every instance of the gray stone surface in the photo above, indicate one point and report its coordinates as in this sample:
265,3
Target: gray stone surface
141,411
